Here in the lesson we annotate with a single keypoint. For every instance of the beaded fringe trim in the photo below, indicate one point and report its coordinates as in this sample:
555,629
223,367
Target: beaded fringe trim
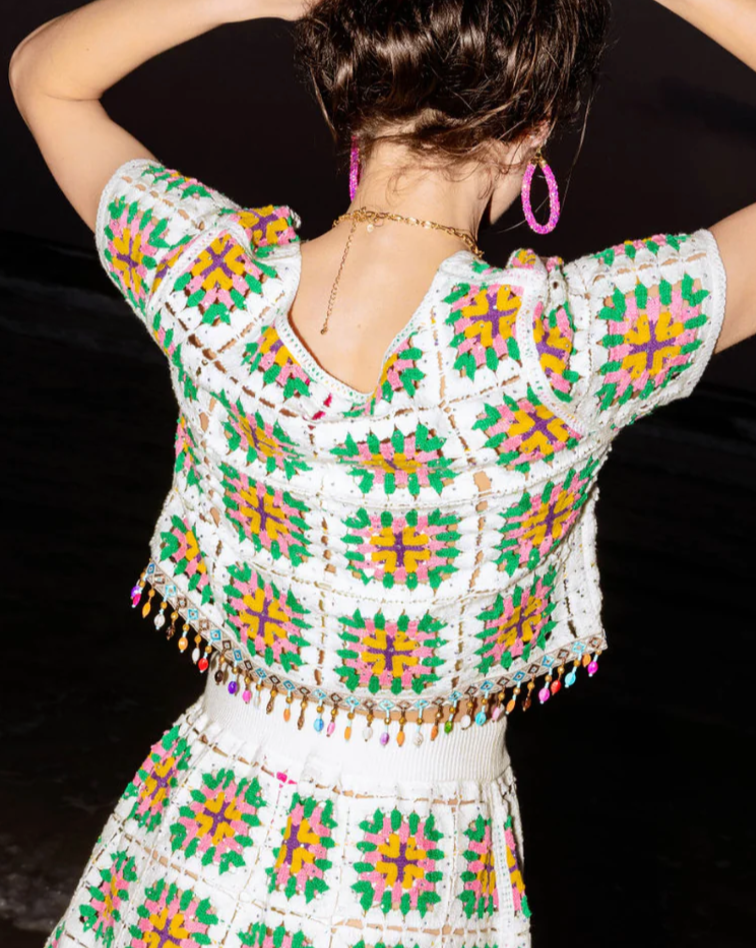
486,703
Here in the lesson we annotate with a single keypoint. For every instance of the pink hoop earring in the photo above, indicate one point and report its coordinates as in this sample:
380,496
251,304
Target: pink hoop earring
354,168
527,206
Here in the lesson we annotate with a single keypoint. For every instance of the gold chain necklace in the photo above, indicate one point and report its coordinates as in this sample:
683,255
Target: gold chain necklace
371,218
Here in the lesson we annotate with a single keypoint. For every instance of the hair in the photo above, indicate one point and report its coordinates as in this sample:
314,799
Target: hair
446,77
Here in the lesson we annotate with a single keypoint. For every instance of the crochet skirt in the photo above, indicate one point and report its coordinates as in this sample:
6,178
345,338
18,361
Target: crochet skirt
240,830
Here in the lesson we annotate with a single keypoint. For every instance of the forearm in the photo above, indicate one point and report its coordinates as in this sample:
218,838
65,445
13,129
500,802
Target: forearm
79,55
731,23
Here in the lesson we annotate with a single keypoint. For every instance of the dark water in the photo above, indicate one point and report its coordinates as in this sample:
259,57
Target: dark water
636,788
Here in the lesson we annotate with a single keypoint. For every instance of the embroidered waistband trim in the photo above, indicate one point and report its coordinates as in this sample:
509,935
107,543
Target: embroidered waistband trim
479,705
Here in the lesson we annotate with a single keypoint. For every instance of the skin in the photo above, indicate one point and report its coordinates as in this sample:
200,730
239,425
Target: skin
60,71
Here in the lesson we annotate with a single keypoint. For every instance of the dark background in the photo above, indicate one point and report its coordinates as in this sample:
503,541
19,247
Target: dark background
636,789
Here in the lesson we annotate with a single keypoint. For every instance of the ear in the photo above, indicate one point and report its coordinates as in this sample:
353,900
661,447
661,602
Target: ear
540,135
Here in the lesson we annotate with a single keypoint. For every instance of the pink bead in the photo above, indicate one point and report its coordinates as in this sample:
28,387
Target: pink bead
331,728
247,696
497,713
385,738
544,694
527,205
592,668
354,168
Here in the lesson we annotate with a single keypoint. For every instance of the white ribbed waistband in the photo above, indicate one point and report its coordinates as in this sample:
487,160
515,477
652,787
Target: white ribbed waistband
477,754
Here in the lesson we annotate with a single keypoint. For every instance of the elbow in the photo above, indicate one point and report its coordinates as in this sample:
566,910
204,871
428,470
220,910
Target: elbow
18,71
25,61
13,71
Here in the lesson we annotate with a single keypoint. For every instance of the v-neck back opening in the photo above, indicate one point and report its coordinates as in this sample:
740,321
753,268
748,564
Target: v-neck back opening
304,355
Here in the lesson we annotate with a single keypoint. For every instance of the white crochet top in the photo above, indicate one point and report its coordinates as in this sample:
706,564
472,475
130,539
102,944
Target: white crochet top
429,547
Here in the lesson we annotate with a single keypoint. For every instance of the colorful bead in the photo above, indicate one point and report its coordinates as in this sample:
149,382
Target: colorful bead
148,605
529,696
512,703
354,168
196,650
301,718
400,737
136,593
386,737
545,693
271,701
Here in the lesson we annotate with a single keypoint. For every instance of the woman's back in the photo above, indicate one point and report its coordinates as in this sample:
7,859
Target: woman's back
383,285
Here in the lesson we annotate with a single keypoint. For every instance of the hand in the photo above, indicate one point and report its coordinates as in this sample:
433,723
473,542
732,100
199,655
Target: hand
240,10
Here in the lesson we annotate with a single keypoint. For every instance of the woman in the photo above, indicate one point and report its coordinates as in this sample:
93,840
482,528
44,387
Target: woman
380,537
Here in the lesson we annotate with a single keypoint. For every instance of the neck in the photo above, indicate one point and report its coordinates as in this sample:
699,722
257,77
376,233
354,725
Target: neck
393,181
421,194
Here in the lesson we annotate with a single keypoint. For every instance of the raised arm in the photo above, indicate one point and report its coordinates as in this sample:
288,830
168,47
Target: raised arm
732,24
60,71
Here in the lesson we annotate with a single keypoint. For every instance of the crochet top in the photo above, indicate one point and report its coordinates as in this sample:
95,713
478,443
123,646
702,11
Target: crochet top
427,548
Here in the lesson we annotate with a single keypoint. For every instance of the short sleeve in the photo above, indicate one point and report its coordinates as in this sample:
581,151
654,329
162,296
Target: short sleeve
644,318
150,216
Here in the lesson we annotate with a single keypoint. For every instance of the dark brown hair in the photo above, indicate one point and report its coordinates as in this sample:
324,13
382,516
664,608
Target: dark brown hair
461,72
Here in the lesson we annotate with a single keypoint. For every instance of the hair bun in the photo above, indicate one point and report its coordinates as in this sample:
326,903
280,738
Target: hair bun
460,72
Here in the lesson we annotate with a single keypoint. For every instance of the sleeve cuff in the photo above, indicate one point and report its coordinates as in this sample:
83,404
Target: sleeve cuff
715,279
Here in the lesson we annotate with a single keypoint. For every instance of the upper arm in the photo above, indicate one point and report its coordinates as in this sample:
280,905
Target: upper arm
81,145
736,238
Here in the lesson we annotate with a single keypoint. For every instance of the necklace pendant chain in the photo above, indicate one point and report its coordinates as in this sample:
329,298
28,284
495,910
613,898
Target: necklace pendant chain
375,218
